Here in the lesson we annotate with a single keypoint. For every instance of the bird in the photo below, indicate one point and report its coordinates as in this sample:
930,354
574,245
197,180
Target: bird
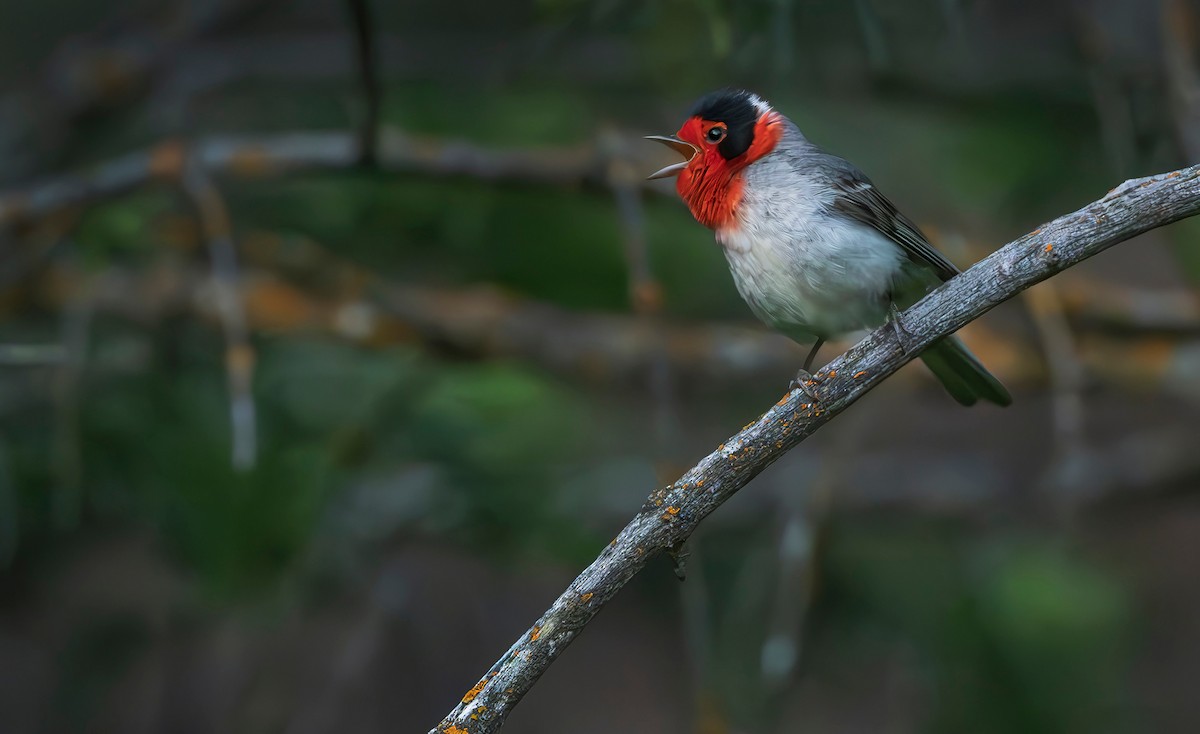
815,250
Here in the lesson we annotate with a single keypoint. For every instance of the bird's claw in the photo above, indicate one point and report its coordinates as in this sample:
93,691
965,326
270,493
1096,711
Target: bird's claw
803,381
903,335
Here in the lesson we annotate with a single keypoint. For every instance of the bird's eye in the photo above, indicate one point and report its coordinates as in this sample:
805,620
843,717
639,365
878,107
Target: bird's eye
715,134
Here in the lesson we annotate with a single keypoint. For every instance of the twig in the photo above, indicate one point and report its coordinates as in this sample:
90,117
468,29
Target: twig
1181,28
807,518
68,457
367,61
645,293
878,53
795,569
239,354
31,355
1066,380
1111,99
672,513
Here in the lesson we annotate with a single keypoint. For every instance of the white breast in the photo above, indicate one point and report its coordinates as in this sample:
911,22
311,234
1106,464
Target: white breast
802,271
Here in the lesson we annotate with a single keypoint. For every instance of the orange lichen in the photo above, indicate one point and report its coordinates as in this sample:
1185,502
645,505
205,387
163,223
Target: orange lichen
1174,174
1049,247
478,710
239,359
647,297
833,373
168,160
1156,354
454,730
585,597
471,694
274,305
536,633
250,162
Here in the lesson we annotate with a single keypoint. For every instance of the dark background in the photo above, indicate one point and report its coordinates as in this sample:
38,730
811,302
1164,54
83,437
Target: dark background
318,475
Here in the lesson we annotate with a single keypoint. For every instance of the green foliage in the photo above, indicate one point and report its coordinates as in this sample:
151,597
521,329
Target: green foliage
500,432
1187,248
119,231
156,452
1007,629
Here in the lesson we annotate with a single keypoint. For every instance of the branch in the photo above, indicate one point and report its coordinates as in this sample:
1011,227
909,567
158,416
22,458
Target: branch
671,514
273,155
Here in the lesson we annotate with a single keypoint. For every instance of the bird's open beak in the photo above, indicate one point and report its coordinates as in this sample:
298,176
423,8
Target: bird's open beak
682,147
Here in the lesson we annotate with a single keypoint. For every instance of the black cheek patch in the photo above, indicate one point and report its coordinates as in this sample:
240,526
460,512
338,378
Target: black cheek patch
737,140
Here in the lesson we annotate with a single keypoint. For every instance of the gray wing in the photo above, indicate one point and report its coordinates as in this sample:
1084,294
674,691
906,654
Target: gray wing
858,199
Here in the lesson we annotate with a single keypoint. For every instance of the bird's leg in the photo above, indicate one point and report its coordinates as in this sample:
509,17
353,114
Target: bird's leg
803,376
812,354
903,335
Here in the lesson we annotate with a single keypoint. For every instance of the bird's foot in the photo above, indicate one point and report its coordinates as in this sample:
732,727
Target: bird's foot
903,335
804,382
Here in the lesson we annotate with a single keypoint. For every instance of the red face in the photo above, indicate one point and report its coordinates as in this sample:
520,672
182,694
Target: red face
709,181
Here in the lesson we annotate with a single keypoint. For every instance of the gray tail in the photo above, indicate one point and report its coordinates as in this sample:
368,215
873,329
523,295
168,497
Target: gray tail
962,375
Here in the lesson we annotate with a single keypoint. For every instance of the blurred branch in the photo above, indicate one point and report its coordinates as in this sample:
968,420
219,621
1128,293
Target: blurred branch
671,513
239,354
1181,28
645,293
484,322
1110,96
286,153
874,37
1128,308
67,500
367,61
1066,379
31,355
799,547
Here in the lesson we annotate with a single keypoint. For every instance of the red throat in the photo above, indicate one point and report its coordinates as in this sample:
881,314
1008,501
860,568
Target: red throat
711,185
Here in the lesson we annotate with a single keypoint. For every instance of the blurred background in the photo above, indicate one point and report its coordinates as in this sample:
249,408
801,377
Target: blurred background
337,337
